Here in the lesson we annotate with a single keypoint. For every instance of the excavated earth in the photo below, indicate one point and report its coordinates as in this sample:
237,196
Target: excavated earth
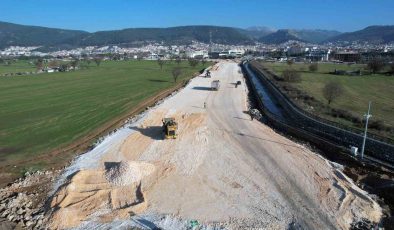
223,171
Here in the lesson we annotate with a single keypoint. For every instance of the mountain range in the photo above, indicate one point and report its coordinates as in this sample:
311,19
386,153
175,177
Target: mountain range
22,35
373,34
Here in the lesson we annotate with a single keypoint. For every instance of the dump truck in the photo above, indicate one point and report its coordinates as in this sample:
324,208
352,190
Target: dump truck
169,128
215,85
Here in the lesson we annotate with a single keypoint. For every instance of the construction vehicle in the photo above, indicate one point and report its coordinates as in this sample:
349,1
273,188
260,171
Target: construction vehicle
215,85
169,128
208,74
255,114
237,83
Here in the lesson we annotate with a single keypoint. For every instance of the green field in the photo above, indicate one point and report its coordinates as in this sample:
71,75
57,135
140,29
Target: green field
17,66
358,90
42,112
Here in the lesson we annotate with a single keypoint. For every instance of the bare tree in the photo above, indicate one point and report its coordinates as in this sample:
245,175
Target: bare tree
74,63
375,65
98,60
64,67
392,68
88,61
313,67
203,62
193,62
161,63
176,72
178,60
332,91
53,64
290,75
39,63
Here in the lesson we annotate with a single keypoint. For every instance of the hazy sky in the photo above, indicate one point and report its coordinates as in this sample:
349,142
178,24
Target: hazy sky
94,15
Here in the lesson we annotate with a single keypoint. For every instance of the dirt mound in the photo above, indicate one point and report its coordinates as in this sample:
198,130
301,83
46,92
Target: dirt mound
113,192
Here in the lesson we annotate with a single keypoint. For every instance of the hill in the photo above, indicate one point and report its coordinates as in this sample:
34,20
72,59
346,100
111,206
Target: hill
52,38
13,34
316,36
22,35
256,32
171,35
280,36
373,34
312,36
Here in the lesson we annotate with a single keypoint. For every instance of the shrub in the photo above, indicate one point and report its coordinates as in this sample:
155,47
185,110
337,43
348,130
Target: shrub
313,67
378,125
375,65
290,75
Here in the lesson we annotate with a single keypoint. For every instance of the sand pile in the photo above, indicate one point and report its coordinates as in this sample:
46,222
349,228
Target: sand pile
118,190
126,173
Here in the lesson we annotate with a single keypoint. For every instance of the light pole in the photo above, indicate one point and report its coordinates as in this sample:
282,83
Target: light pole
367,116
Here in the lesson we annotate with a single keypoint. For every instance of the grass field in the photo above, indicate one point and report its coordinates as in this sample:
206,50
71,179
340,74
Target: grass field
16,67
358,90
41,112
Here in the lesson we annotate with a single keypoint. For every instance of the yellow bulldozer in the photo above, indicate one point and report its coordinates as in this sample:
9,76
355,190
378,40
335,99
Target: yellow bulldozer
170,127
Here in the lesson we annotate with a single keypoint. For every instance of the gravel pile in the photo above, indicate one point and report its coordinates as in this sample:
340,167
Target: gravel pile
126,173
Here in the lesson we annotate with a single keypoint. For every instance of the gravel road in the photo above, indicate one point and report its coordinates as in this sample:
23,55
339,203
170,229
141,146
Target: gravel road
223,170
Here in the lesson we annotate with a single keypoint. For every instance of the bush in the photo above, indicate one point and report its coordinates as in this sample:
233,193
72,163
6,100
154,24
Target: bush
290,75
375,65
378,125
392,68
342,114
332,91
313,67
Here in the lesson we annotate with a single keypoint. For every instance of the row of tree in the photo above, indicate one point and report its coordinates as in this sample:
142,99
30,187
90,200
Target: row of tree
374,66
63,66
193,62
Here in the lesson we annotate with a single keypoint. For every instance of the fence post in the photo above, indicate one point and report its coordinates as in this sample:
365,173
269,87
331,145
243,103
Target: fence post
367,116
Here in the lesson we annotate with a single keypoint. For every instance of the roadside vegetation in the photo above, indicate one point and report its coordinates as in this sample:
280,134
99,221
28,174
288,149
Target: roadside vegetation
40,113
341,92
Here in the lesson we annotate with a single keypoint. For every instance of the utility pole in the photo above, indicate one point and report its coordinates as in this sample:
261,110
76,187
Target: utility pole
367,116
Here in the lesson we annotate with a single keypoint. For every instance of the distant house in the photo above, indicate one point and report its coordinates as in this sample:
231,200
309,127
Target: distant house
347,56
214,54
295,50
315,55
199,54
153,56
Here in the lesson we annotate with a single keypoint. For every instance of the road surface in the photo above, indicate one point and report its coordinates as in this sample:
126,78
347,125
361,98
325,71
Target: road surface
222,170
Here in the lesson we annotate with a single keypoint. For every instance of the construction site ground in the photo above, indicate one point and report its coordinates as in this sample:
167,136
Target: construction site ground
224,170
